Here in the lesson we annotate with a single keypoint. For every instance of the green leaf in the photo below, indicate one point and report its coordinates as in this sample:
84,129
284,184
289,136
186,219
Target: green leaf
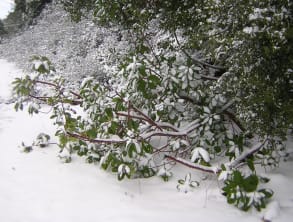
142,71
154,81
109,113
250,183
141,85
132,125
131,150
267,192
113,128
250,164
237,177
92,133
147,147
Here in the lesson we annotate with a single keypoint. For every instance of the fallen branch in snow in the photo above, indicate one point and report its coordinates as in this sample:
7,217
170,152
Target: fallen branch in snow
247,153
207,169
163,133
215,170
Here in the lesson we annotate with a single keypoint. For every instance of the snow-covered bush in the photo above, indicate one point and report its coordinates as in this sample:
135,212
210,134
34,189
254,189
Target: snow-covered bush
207,85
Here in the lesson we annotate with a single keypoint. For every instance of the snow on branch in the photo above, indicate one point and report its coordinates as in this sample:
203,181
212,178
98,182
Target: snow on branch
106,141
207,169
246,154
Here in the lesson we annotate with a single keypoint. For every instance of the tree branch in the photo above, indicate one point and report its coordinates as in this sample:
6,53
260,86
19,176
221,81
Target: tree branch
99,141
146,117
163,133
235,120
56,86
197,61
207,169
246,154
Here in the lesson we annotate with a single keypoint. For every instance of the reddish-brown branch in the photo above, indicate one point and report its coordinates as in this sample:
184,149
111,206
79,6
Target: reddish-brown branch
46,83
56,86
146,117
163,133
46,98
41,98
206,169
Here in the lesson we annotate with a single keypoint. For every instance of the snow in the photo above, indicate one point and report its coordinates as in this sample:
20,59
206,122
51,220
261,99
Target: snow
37,186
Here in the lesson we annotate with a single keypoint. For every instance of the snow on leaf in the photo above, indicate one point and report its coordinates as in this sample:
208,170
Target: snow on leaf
123,169
175,144
185,142
185,84
204,154
138,147
37,64
206,110
85,81
195,155
164,172
210,121
200,152
223,175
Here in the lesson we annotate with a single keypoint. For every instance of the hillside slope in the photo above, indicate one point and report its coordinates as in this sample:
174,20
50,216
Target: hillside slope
76,49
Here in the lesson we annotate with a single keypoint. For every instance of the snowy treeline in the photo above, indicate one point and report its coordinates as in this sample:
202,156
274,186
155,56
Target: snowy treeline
76,49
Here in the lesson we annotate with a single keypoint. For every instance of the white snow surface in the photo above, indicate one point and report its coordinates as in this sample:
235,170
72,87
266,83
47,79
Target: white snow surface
37,186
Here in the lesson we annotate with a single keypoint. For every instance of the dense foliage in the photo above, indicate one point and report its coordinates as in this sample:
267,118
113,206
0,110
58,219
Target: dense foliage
207,84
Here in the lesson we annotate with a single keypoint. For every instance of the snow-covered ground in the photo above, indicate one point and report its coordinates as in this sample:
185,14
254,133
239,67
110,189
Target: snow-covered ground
37,187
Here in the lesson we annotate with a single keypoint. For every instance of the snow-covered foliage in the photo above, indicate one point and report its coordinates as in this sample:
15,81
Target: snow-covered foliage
161,100
77,50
